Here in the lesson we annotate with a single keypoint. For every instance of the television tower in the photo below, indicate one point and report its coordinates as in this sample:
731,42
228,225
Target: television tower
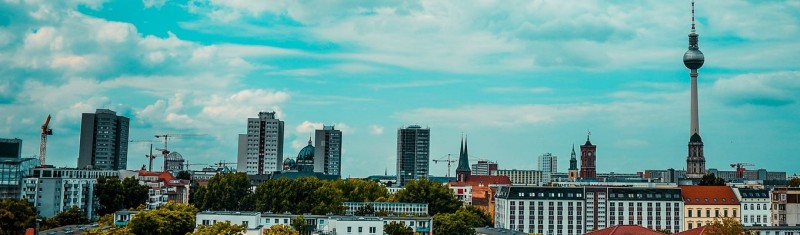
694,59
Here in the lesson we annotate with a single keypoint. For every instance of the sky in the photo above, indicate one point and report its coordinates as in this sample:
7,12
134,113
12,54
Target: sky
519,78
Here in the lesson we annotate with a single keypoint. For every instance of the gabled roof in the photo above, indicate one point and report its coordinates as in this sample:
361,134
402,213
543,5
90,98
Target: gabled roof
625,230
165,176
708,195
697,231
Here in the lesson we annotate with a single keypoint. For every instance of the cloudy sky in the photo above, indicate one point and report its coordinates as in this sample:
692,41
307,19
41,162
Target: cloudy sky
520,78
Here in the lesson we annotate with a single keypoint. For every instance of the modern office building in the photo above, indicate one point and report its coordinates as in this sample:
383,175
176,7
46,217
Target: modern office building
328,151
392,208
703,204
261,149
413,153
755,205
104,141
548,164
522,177
654,208
10,148
588,160
785,206
484,167
52,190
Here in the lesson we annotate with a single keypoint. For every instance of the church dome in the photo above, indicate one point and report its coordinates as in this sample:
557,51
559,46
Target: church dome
307,153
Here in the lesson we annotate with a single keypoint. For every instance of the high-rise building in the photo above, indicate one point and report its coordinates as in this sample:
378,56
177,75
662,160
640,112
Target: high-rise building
588,159
548,164
10,148
104,141
328,151
261,149
484,167
694,59
572,173
413,153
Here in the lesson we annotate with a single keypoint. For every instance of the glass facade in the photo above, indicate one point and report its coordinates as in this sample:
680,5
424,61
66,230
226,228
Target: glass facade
12,170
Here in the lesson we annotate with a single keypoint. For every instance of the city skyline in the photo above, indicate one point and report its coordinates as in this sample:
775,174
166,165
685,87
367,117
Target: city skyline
522,79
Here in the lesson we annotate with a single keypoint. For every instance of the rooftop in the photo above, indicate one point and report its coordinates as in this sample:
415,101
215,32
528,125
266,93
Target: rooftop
625,230
708,195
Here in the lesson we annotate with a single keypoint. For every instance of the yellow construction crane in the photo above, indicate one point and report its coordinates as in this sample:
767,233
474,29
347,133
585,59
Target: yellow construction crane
43,143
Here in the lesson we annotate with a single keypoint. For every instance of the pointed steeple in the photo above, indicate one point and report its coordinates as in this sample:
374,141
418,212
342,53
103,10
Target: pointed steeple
573,161
463,171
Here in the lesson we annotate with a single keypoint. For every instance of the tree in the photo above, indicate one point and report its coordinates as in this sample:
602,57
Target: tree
795,182
300,225
221,228
171,218
227,191
68,217
15,216
711,179
367,209
113,194
725,226
474,216
133,193
359,190
395,228
450,224
280,229
184,175
303,195
439,198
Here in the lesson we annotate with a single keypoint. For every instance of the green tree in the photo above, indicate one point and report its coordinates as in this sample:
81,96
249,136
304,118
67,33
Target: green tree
228,191
795,182
367,209
280,229
474,217
169,219
359,190
726,226
15,216
68,217
133,193
711,179
184,175
450,224
301,225
303,195
395,228
221,228
439,198
114,194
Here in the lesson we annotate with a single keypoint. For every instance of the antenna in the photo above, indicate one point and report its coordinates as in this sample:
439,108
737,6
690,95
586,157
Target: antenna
692,15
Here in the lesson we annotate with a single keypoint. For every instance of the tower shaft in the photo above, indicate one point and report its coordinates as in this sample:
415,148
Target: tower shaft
695,122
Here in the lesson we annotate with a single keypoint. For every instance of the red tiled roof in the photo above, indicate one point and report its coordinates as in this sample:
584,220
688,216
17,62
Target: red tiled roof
165,176
698,231
625,230
486,180
708,195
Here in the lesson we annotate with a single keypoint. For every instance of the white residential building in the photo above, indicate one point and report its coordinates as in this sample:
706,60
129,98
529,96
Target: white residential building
541,210
356,225
522,177
653,208
397,208
52,190
548,164
249,219
261,149
755,206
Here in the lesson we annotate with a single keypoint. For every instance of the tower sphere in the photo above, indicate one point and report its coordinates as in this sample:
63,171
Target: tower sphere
693,58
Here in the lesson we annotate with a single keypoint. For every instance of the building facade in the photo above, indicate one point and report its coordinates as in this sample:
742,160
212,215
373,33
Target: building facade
755,205
52,190
540,210
652,208
588,160
174,162
104,141
785,206
703,204
394,208
261,149
522,177
413,153
484,167
328,151
10,148
548,164
12,171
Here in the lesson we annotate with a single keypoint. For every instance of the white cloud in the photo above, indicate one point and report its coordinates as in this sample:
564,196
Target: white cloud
154,3
244,103
375,129
308,127
518,89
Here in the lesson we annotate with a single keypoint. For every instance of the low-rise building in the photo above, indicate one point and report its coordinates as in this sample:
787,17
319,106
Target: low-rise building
52,190
703,204
356,225
522,177
653,208
163,188
250,220
394,208
12,171
755,205
785,206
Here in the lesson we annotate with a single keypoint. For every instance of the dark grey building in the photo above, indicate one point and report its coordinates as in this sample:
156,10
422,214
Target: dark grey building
328,151
10,148
413,153
104,141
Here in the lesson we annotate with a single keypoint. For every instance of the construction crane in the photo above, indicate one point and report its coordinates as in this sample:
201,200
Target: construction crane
223,164
449,162
167,136
43,143
187,164
151,156
740,168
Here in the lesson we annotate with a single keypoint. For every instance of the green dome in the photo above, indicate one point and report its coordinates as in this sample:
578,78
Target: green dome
307,153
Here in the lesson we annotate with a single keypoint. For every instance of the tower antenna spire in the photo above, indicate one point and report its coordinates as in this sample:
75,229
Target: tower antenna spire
692,15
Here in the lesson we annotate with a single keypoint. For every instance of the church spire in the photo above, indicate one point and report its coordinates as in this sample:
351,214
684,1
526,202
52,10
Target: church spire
463,171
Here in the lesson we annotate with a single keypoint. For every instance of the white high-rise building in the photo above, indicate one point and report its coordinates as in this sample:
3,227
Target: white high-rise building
261,149
548,164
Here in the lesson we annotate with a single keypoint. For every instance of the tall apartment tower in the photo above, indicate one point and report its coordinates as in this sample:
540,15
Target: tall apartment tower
572,173
588,159
548,164
693,59
328,151
413,153
104,141
261,149
484,167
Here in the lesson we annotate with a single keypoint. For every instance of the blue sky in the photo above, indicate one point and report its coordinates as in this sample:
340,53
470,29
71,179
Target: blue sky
520,78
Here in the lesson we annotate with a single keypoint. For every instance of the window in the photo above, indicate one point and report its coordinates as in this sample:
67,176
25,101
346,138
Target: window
349,229
360,229
372,230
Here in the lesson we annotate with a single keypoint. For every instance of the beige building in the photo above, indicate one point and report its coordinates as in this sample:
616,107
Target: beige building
702,204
